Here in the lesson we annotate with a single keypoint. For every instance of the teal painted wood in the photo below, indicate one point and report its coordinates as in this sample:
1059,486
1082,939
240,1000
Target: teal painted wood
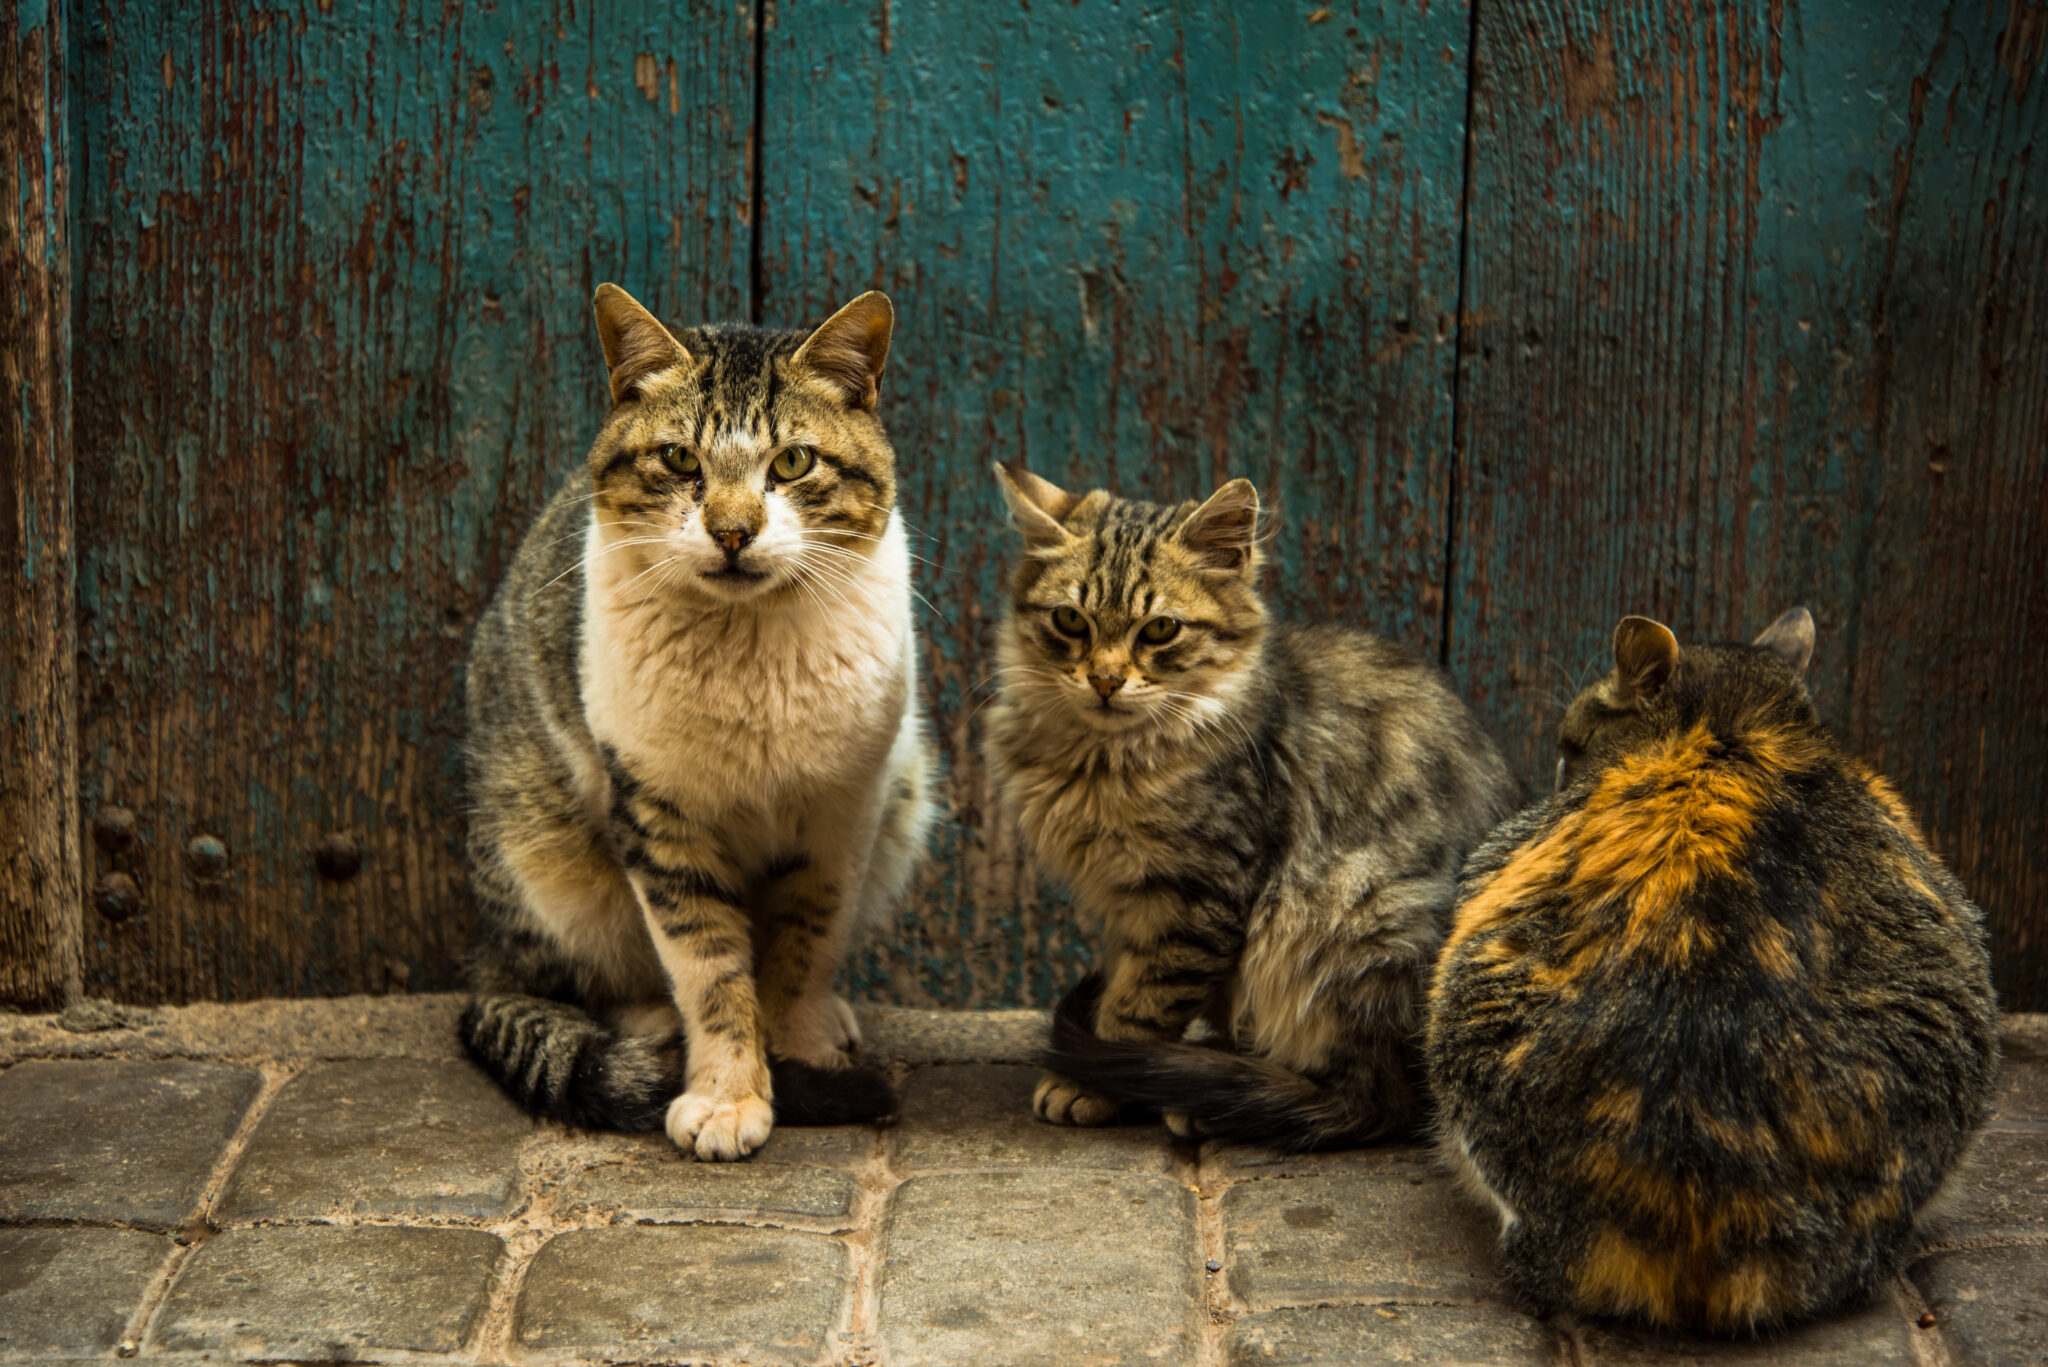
39,880
335,351
1755,318
1153,245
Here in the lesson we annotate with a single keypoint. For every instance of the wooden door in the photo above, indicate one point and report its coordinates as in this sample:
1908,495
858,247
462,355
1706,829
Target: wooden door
1526,314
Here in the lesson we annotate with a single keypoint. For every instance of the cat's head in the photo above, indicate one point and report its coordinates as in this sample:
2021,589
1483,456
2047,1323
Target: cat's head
1128,616
1655,687
737,461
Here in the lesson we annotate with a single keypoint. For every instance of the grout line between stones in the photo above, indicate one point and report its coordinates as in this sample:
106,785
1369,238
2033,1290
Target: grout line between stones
200,1228
1218,1315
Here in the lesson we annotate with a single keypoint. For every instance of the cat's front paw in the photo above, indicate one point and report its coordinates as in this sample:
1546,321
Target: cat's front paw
1183,1125
1062,1103
846,1023
719,1129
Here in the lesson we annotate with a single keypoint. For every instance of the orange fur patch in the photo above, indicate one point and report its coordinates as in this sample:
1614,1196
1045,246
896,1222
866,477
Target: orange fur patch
1619,1277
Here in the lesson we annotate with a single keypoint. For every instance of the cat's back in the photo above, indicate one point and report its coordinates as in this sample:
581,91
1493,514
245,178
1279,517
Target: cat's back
1373,722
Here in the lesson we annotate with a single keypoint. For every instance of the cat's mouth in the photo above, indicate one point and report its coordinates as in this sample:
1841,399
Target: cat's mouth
733,574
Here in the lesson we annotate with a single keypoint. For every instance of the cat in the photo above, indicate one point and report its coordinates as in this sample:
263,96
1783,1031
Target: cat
1713,1023
697,760
1267,820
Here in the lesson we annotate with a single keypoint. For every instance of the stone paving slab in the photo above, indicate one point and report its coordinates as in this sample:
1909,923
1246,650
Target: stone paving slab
684,1294
966,1116
1877,1335
382,1137
1990,1304
1393,1230
1426,1335
683,1189
116,1140
1040,1267
324,1294
2023,1078
2003,1187
72,1290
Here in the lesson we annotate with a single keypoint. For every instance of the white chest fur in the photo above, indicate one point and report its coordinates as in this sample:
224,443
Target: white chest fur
760,707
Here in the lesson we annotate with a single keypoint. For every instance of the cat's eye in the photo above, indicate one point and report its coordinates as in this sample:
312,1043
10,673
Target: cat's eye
794,463
1159,631
1069,620
681,461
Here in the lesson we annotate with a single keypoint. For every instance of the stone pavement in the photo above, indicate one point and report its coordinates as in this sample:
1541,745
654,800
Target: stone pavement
330,1181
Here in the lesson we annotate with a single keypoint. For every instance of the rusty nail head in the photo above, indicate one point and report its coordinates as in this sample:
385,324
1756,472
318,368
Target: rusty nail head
206,856
117,897
113,829
338,857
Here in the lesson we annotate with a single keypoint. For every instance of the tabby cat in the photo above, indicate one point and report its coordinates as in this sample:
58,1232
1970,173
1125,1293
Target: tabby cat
697,760
1713,1023
1267,820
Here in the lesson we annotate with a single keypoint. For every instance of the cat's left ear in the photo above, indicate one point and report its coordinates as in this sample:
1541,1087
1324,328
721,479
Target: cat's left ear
1224,530
1790,638
1645,655
848,349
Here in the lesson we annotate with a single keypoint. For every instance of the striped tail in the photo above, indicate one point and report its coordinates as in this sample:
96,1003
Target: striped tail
556,1061
1231,1096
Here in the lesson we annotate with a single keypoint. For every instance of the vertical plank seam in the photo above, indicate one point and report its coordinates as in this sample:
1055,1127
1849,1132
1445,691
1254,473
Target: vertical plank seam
755,193
1453,505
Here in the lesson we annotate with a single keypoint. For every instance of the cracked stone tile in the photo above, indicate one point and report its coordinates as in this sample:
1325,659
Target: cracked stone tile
682,1189
1047,1266
2003,1188
1990,1304
382,1137
107,1140
687,1293
1425,1335
326,1293
72,1290
978,1116
1396,1230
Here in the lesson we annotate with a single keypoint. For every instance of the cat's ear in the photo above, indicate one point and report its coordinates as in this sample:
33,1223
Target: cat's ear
1036,505
635,343
1645,653
1223,531
1790,638
848,349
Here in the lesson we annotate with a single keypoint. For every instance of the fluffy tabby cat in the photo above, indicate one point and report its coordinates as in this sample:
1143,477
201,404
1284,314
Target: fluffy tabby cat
1267,820
697,760
1713,1024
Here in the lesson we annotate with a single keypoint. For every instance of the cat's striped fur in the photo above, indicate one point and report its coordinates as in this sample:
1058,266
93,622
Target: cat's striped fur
1713,1025
1267,821
696,755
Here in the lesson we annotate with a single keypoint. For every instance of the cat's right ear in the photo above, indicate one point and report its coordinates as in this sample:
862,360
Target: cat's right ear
1036,506
1645,654
1790,638
636,345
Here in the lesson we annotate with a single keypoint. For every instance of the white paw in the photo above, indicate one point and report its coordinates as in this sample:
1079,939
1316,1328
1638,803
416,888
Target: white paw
848,1023
719,1129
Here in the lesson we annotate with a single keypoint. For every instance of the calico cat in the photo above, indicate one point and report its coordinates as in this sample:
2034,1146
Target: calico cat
1713,1023
1267,820
696,756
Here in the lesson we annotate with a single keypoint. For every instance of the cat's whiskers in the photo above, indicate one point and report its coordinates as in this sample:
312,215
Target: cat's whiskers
583,562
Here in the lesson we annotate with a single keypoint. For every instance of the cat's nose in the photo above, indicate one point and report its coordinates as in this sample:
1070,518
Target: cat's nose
733,539
1106,684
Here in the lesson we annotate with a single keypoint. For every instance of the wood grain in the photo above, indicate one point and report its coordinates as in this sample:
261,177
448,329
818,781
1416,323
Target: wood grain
39,879
336,350
1755,318
1153,246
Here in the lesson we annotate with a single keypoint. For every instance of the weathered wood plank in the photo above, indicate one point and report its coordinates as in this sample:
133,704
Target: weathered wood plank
1150,245
39,869
1755,317
335,350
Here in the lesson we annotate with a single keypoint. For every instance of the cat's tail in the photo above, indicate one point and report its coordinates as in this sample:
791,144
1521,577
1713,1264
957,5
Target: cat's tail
559,1062
1237,1097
